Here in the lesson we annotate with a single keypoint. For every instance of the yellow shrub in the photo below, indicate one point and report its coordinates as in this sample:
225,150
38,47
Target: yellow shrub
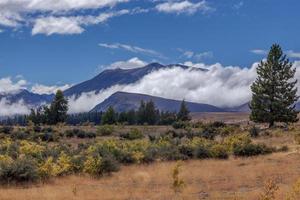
5,158
31,148
235,140
92,165
64,164
48,168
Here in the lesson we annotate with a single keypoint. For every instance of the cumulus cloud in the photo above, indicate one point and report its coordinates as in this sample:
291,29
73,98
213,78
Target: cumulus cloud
7,85
44,89
10,109
55,14
182,7
70,25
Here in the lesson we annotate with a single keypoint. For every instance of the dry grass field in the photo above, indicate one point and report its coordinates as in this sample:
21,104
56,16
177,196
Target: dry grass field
207,179
234,178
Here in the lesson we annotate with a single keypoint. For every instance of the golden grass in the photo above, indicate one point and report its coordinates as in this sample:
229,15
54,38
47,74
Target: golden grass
206,179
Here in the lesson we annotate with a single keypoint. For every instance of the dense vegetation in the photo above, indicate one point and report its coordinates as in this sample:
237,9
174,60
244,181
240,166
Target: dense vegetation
38,153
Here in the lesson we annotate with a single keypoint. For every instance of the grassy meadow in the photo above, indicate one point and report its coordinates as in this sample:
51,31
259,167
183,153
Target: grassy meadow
203,159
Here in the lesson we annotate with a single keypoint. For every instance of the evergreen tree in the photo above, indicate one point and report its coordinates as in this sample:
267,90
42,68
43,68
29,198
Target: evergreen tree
184,113
58,109
150,113
141,114
274,92
109,117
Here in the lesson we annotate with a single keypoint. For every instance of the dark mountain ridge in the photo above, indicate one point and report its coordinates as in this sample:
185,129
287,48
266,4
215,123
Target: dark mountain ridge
123,101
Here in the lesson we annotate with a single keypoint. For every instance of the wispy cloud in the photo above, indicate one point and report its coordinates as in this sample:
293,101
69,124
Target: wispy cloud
180,7
289,53
198,56
133,49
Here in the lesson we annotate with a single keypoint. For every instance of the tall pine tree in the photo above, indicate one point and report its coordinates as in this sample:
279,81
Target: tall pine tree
58,109
274,92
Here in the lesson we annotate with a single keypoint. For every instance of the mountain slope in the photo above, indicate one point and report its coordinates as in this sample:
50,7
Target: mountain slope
122,101
118,76
27,97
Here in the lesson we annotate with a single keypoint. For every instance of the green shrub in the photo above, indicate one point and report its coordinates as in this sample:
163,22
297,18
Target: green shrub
219,151
133,134
18,135
105,130
187,151
251,150
254,131
98,166
18,171
203,152
6,129
180,125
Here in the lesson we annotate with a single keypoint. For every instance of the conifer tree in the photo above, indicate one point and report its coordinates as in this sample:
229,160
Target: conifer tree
58,109
274,92
183,114
109,117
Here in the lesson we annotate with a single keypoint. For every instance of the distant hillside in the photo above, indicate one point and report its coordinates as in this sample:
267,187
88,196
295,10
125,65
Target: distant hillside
118,76
28,98
122,101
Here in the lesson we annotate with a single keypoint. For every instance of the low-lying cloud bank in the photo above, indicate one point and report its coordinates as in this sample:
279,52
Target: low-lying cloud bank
219,85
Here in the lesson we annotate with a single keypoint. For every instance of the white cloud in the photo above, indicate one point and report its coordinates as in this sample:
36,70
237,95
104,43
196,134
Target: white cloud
131,48
8,109
61,25
289,53
42,13
259,51
182,7
194,55
7,85
44,89
128,64
70,25
293,54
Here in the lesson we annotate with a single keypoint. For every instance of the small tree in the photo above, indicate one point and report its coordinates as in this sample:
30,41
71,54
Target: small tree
274,92
58,109
183,114
109,117
151,113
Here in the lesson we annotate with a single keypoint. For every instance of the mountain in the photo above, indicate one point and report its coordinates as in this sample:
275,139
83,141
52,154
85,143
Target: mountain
123,101
118,76
28,98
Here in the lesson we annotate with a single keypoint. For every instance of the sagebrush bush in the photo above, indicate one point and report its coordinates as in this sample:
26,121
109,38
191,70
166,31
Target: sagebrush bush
6,129
18,171
180,125
105,130
251,150
254,131
133,134
219,151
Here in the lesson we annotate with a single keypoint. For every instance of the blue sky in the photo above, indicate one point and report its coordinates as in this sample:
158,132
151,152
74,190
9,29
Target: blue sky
66,44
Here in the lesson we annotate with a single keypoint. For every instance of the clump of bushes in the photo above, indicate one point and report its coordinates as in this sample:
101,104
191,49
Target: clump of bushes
133,134
105,130
18,171
254,131
251,150
79,134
